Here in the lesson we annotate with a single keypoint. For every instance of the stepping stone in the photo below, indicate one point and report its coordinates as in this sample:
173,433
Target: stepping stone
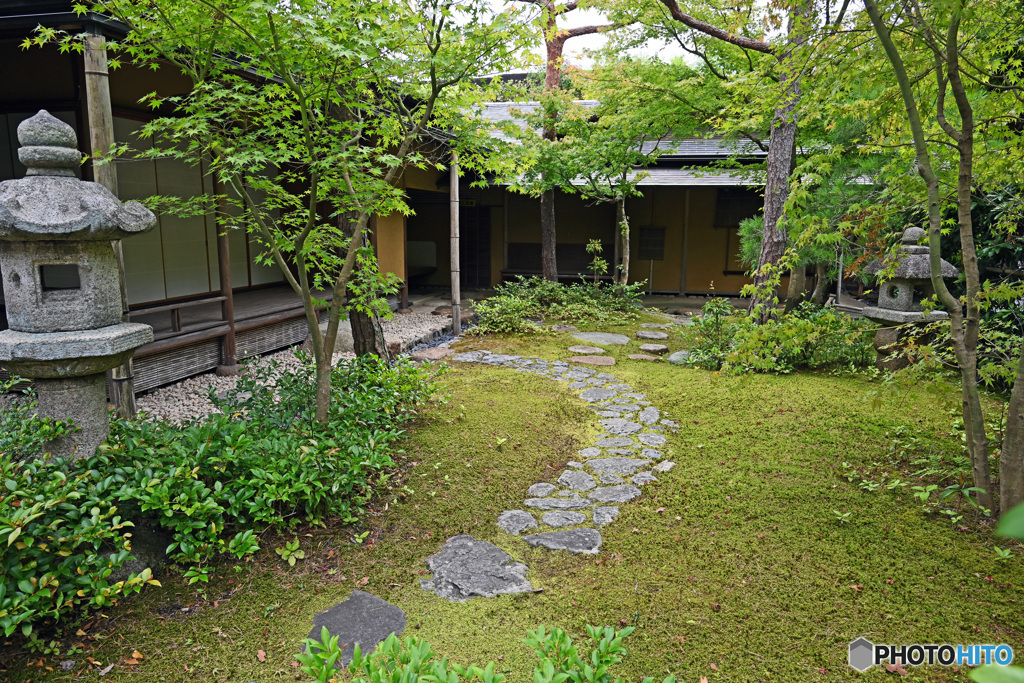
606,413
577,481
635,397
577,375
433,354
604,375
604,361
615,494
641,478
623,408
363,619
586,350
664,466
580,541
567,494
651,334
652,439
642,356
469,357
619,387
628,452
610,479
466,568
595,381
516,522
619,466
557,503
604,338
575,465
653,326
564,328
557,519
590,452
649,415
578,385
540,490
592,395
654,348
679,357
620,427
670,423
614,442
651,453
605,514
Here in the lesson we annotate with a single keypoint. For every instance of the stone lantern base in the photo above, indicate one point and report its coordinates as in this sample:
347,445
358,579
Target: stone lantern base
890,341
82,400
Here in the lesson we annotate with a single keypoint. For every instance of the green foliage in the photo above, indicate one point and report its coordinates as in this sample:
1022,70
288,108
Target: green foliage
414,660
712,334
291,552
23,434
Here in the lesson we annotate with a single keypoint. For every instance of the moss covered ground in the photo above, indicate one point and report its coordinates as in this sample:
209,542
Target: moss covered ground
735,566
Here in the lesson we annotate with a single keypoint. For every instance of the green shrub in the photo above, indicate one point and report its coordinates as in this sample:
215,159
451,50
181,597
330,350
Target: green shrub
23,434
712,334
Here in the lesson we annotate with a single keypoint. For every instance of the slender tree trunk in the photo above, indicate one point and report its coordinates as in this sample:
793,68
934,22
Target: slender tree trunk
797,288
1011,455
820,284
622,234
367,335
549,266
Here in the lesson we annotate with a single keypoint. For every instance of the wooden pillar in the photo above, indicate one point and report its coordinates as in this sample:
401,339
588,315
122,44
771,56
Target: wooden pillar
456,284
229,364
121,383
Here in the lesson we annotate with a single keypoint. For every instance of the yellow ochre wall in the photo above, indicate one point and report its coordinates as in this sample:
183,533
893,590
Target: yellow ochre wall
390,240
659,207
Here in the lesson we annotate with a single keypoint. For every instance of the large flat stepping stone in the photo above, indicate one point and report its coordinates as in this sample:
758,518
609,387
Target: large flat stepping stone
620,427
542,489
363,619
580,541
433,354
557,503
664,466
605,338
641,478
679,357
466,568
642,356
469,357
652,439
560,518
602,361
586,350
613,442
564,328
620,466
597,394
605,514
577,481
654,348
516,522
653,326
649,415
651,334
622,493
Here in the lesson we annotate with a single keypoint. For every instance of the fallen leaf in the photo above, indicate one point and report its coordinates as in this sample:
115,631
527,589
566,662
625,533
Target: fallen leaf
105,671
856,587
137,655
896,668
261,655
713,666
363,581
703,679
660,510
80,632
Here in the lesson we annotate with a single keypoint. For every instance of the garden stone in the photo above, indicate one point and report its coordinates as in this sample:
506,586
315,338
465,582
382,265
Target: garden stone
620,427
635,397
619,400
575,465
641,478
586,350
363,619
590,452
516,521
576,375
642,356
605,514
628,452
605,376
562,379
652,439
619,387
581,541
595,382
679,357
557,519
614,442
564,328
603,361
577,481
615,494
498,359
610,479
624,408
541,489
654,348
557,503
567,494
617,465
664,466
605,338
670,423
607,413
649,415
592,395
436,353
651,453
651,334
467,568
578,385
653,326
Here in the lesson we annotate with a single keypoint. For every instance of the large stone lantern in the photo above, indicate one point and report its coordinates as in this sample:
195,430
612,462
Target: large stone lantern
61,282
899,298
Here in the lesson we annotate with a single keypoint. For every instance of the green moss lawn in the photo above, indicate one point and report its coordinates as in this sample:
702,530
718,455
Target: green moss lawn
735,566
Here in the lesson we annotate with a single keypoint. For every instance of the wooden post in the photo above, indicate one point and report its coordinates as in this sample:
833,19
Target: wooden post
121,382
229,354
456,285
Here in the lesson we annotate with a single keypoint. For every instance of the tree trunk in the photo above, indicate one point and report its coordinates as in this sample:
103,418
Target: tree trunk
622,234
797,288
820,284
367,335
549,266
1011,455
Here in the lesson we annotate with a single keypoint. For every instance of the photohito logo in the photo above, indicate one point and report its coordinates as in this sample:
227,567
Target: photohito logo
864,654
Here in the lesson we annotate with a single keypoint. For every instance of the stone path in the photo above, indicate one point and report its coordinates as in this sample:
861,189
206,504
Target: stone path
610,472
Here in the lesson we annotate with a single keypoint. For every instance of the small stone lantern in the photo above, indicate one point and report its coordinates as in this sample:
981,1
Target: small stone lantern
61,282
899,299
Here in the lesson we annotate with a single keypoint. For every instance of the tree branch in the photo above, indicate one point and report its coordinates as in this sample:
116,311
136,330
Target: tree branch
716,32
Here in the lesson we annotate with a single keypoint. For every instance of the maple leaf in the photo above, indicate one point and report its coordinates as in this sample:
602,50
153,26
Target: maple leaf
261,655
713,666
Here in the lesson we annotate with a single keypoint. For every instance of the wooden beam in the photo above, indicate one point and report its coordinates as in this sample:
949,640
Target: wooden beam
456,283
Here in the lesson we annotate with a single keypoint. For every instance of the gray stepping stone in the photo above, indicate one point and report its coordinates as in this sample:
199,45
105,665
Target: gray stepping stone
653,326
567,494
575,465
576,375
466,568
564,328
603,361
635,397
658,349
651,334
562,379
363,619
670,423
614,442
652,439
604,338
579,385
651,453
469,357
664,466
622,493
619,400
606,413
641,478
498,359
592,395
679,357
605,514
620,466
586,350
516,522
649,415
596,382
591,452
557,519
610,479
619,387
580,541
628,452
604,376
620,427
623,408
642,356
541,489
577,481
557,503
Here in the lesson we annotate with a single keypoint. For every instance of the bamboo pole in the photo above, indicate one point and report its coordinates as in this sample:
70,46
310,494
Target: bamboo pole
456,284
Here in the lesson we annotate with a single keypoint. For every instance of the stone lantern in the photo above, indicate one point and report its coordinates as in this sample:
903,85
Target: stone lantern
61,282
899,299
